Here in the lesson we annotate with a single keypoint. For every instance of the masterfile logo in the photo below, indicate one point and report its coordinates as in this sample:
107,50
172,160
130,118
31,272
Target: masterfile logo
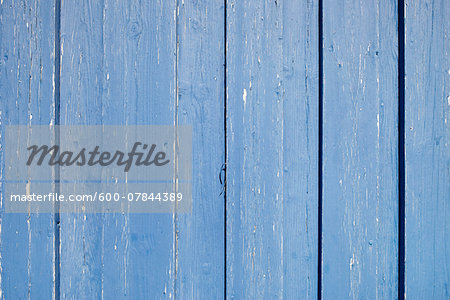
91,158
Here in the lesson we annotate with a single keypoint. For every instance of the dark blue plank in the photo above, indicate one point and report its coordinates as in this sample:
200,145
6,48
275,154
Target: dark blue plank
272,140
26,97
360,182
427,152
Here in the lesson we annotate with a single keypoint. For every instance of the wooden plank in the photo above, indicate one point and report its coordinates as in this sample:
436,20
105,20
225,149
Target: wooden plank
140,88
26,98
427,153
200,85
118,67
272,144
360,181
80,103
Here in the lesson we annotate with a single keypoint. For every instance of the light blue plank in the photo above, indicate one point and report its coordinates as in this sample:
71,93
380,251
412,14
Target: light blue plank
360,181
200,75
80,93
26,97
118,67
300,149
272,143
140,48
427,153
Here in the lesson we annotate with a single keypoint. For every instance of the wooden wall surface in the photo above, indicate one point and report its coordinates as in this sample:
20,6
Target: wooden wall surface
320,146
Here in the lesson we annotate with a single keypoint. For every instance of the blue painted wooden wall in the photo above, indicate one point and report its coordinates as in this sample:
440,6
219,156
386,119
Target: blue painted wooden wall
320,146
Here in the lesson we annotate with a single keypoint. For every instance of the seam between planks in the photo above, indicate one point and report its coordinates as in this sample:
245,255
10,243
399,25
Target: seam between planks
224,168
57,95
320,148
401,149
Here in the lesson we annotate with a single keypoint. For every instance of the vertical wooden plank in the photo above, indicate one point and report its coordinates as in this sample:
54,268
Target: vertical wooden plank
272,143
140,67
80,103
118,67
360,181
140,88
200,103
26,97
300,148
427,153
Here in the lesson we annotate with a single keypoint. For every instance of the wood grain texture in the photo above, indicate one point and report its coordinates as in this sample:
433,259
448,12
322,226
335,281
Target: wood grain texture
118,67
81,269
139,73
272,140
200,103
427,152
26,98
360,182
162,62
124,63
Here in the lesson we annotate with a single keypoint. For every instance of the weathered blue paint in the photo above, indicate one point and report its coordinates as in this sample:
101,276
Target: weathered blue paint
129,72
162,62
81,103
272,140
200,103
118,67
26,97
360,194
427,151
